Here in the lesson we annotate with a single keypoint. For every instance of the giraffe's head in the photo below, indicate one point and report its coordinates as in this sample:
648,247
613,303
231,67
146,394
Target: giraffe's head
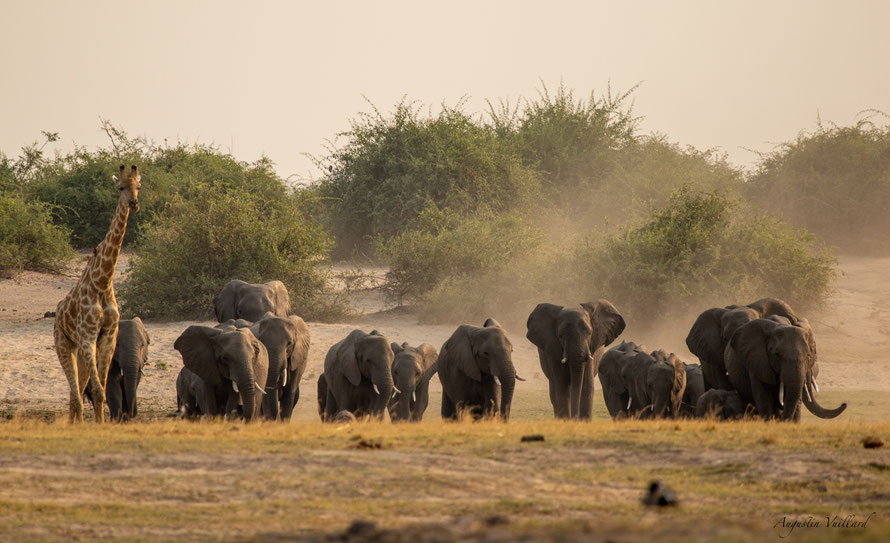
129,186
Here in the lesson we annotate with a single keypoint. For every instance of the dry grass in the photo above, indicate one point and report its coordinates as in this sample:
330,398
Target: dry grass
230,481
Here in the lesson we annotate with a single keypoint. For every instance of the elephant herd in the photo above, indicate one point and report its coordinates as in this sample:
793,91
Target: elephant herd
758,359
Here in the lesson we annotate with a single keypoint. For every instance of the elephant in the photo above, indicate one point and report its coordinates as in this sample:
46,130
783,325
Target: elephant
695,387
475,367
412,369
287,341
766,354
126,369
615,391
231,362
357,376
637,383
722,404
240,300
570,342
656,382
190,398
714,327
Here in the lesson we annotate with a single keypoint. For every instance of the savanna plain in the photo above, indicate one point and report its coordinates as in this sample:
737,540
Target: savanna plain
166,479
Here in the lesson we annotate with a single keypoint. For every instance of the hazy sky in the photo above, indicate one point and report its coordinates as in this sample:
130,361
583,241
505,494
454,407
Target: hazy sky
282,77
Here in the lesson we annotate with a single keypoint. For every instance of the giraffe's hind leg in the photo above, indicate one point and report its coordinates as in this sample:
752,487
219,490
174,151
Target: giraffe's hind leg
65,351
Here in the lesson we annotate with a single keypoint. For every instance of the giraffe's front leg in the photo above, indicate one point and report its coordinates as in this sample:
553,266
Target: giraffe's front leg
65,349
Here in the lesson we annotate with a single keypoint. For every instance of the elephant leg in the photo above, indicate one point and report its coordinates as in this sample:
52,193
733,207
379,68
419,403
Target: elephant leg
330,407
586,411
763,400
114,395
448,407
559,392
289,395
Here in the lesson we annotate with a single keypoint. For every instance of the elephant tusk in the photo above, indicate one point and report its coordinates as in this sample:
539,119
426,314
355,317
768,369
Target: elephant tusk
259,387
518,378
497,381
396,389
414,396
234,386
284,377
807,393
815,385
141,371
376,390
563,360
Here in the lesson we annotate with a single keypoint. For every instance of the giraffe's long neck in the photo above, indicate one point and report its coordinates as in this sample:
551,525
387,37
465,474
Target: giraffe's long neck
106,254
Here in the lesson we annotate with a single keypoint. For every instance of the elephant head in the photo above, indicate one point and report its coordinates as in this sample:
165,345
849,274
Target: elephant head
131,356
667,383
240,300
774,353
722,404
230,363
573,336
412,369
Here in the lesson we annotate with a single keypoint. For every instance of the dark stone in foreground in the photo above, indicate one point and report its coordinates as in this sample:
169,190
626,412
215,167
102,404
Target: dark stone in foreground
532,437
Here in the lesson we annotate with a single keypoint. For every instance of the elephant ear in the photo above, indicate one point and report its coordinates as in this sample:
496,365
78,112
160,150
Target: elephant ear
607,323
141,326
811,341
704,339
541,326
429,354
346,355
197,350
301,343
396,348
224,302
751,344
489,322
281,298
459,351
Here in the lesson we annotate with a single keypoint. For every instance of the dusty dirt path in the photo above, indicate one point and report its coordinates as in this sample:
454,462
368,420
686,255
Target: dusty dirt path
853,333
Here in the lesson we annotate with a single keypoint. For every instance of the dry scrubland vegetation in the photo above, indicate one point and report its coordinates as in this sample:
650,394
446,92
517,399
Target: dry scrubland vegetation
471,214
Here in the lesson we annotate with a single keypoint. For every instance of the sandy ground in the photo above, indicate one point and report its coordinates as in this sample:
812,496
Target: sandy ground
853,335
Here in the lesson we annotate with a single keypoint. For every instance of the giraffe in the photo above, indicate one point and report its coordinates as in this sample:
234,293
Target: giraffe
85,329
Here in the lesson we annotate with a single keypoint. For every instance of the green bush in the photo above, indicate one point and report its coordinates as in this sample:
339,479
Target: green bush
442,246
79,186
834,182
198,244
28,238
393,168
704,249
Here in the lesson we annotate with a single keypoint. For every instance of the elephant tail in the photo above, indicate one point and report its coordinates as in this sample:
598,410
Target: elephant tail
679,386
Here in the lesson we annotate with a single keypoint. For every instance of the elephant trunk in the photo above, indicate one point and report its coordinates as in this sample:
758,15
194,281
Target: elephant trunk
577,356
247,387
404,408
793,381
505,372
277,362
382,380
131,382
809,400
